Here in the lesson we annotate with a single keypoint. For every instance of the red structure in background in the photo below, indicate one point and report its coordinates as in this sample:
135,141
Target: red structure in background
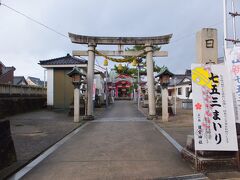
122,88
123,85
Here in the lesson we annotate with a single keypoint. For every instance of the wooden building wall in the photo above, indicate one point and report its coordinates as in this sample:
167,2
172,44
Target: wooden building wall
63,89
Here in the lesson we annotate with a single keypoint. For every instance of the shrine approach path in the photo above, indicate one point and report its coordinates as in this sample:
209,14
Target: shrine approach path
121,144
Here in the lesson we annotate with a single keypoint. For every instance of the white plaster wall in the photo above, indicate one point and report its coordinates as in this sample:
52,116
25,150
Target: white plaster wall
183,95
99,83
50,87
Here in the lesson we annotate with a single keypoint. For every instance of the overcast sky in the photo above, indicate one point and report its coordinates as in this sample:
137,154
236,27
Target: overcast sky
23,43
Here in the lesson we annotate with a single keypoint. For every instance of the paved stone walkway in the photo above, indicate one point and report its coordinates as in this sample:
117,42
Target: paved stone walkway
120,145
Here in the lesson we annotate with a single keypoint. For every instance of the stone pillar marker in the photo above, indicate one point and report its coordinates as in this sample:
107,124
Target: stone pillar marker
207,46
150,82
76,103
164,79
90,76
165,114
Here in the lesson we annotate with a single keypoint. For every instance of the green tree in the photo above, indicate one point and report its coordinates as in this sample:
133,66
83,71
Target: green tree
141,62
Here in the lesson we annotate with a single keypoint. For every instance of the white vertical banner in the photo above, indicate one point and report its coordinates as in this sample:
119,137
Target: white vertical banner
213,113
233,64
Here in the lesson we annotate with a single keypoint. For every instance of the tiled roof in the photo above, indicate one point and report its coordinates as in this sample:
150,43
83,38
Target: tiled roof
164,70
18,79
68,59
178,80
36,81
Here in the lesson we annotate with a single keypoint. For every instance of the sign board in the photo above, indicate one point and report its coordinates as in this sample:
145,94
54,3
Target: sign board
233,64
207,46
213,113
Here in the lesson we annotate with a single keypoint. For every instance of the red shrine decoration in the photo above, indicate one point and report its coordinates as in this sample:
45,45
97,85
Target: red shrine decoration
123,85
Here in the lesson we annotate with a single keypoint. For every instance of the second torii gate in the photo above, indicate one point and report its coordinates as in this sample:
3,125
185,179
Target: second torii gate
148,42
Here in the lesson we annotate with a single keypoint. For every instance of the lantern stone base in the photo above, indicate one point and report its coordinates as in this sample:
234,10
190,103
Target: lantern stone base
159,110
88,118
81,111
151,117
209,160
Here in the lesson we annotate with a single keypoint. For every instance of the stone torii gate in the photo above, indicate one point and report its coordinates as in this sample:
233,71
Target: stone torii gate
148,42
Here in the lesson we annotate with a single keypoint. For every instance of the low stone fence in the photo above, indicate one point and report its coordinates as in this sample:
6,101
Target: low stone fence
19,99
8,90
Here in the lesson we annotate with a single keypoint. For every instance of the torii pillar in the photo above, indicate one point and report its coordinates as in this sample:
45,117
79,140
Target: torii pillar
90,77
150,82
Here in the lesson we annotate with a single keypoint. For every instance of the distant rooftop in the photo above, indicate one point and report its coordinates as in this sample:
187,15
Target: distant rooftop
36,81
18,80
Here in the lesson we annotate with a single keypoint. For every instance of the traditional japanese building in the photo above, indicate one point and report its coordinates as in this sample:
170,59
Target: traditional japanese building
59,84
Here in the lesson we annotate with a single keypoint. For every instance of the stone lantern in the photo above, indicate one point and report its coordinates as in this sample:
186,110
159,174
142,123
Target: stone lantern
164,79
77,77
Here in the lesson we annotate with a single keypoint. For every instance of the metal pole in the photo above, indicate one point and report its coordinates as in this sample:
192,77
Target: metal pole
225,23
106,88
234,23
44,81
138,87
175,97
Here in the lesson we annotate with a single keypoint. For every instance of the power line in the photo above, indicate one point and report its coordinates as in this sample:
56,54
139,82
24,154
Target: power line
65,36
37,22
33,20
193,34
41,24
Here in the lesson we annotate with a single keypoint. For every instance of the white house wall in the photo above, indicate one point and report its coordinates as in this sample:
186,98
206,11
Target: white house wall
183,95
99,83
50,86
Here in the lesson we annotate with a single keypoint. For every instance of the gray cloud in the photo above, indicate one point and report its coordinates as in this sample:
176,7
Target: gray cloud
24,43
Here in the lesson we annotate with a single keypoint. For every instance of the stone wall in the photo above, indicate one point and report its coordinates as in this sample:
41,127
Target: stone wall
15,105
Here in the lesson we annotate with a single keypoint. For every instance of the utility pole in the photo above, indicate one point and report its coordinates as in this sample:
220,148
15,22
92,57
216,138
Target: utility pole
175,96
234,14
